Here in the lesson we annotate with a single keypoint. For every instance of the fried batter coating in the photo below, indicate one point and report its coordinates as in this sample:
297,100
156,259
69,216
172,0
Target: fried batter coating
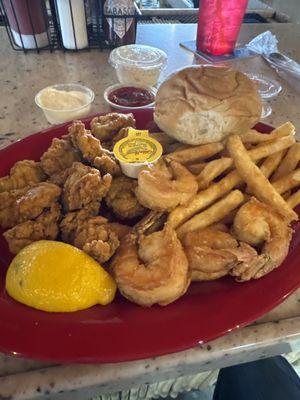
122,199
8,207
72,220
120,229
97,239
84,186
107,164
165,185
23,173
20,205
59,178
258,224
83,140
59,156
212,253
106,126
92,151
151,269
109,144
45,226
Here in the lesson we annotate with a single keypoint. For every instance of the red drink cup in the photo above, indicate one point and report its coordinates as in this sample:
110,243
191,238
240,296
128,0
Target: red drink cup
27,22
219,24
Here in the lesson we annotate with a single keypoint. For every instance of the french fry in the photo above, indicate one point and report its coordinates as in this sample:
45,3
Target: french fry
287,182
196,153
289,163
268,148
255,179
294,199
213,214
265,150
212,170
206,197
271,163
286,129
253,136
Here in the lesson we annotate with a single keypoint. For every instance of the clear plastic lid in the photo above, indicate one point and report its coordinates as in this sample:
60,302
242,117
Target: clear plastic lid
266,110
138,55
267,87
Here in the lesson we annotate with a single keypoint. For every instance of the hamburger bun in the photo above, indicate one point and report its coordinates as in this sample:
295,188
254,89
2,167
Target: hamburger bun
204,104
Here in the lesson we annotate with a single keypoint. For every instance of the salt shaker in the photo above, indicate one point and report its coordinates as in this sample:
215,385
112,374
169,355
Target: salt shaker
72,21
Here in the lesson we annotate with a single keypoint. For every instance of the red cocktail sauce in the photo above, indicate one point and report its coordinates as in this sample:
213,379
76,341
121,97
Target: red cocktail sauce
131,96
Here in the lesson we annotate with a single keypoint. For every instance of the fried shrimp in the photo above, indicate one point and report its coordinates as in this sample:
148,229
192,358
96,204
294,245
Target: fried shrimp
165,185
211,253
151,269
259,225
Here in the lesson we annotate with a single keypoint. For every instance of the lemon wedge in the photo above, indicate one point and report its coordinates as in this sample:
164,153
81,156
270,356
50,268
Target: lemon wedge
57,277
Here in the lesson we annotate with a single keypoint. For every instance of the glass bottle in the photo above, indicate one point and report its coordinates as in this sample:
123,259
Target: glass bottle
119,31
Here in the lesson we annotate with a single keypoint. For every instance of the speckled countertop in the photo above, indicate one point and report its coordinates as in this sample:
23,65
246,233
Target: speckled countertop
21,76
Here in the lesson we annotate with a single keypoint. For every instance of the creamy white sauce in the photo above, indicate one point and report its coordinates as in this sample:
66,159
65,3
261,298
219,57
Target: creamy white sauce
62,100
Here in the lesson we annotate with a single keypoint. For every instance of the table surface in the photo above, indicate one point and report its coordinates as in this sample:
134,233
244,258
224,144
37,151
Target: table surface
21,77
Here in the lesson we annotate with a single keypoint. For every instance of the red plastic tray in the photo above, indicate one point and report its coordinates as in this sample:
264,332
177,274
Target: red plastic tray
124,331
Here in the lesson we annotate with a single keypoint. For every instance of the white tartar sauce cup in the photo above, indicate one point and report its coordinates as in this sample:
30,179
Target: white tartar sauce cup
65,102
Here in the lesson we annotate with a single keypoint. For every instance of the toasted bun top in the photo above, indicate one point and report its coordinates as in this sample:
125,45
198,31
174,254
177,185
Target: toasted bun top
203,104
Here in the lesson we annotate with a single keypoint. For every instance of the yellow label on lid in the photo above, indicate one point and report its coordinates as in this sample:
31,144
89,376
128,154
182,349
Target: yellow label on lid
137,147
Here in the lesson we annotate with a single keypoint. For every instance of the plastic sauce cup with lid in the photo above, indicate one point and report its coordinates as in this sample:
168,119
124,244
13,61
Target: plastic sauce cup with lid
138,64
136,151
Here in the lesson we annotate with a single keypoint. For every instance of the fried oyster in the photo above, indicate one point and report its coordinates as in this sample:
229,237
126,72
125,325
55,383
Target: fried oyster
59,156
23,173
106,126
20,205
122,199
45,226
96,238
72,220
92,151
84,186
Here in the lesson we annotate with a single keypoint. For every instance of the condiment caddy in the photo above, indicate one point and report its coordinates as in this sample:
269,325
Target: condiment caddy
69,24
